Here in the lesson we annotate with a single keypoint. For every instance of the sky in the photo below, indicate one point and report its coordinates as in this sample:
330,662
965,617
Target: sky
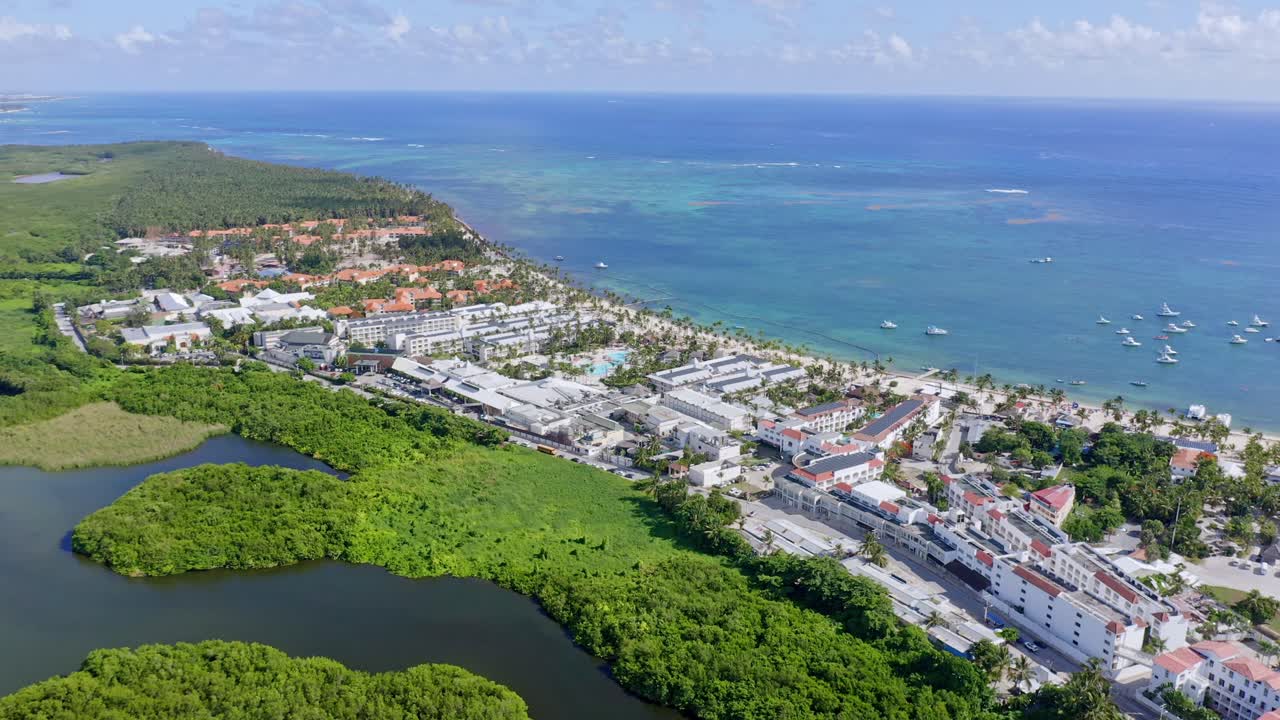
1181,49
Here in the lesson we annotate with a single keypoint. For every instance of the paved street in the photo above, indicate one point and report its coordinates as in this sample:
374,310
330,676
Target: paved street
1217,570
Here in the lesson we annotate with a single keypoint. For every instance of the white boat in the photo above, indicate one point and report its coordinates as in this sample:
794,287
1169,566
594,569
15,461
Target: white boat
1174,328
1232,323
1252,330
1122,331
1138,383
1169,350
1137,317
888,325
601,266
1103,321
1077,382
1166,311
1258,322
1188,324
1238,340
1130,342
1166,359
1042,261
932,330
559,258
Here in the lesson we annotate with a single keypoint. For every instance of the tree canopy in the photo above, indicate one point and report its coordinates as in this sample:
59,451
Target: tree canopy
217,679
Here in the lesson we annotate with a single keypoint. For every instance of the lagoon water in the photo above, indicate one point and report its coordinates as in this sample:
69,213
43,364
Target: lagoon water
815,218
55,607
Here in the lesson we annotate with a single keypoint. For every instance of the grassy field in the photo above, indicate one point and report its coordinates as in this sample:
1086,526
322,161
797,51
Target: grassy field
99,434
1231,596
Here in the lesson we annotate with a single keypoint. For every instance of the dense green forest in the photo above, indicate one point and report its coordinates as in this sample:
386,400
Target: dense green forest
238,680
183,188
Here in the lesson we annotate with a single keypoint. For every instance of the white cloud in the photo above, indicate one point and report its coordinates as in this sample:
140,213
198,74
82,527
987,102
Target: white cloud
11,30
133,40
398,28
900,47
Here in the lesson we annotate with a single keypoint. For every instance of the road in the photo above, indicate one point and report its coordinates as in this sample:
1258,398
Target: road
65,325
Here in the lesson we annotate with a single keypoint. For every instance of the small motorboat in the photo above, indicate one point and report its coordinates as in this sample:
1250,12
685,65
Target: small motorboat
1078,382
932,330
1130,342
1102,320
1042,261
1161,337
1169,350
1252,330
888,325
1188,324
1165,359
1174,328
1166,311
1123,331
559,258
1238,340
1258,322
601,266
1232,323
1137,317
1138,383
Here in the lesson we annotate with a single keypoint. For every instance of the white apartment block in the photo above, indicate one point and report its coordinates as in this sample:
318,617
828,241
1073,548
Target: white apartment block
727,374
371,331
786,434
850,469
705,440
1222,676
887,429
831,417
715,413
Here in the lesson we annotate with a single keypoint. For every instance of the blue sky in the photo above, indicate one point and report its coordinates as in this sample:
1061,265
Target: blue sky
1120,48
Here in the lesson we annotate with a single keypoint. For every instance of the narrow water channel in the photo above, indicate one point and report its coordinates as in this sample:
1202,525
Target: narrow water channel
55,606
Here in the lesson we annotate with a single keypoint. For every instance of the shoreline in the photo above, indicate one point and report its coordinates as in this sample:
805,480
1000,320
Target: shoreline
1037,407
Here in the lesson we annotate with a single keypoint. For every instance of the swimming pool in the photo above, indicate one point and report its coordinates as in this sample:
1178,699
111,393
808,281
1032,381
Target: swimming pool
613,360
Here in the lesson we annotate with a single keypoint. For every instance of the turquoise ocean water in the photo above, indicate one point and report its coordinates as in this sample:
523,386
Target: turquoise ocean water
813,219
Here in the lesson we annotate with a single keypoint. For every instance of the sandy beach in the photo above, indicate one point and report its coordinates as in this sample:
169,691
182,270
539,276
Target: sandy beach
1035,407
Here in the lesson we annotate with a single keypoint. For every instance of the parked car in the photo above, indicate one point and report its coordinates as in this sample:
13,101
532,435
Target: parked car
1030,646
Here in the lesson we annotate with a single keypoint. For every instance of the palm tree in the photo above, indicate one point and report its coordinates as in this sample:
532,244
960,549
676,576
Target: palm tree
933,620
1019,672
873,550
1155,644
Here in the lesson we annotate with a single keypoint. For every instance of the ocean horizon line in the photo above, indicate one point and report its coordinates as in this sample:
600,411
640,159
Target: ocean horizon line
1217,102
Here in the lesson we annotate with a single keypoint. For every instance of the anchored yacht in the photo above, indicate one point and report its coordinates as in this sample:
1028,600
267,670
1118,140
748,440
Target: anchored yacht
1167,360
1166,311
888,325
1259,322
932,330
1238,340
1130,342
1103,321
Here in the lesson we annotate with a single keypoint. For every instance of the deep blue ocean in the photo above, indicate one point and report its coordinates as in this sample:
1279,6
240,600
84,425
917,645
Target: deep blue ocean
814,218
